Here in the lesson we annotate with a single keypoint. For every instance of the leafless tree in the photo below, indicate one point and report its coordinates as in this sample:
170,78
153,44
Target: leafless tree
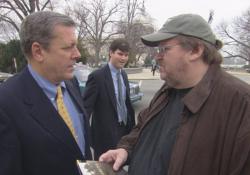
137,29
14,11
133,25
6,32
96,19
133,9
236,37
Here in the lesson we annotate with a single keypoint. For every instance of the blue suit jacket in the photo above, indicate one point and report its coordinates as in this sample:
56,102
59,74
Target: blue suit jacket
34,140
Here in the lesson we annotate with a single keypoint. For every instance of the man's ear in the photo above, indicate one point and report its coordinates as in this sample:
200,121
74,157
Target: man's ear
37,52
110,52
197,52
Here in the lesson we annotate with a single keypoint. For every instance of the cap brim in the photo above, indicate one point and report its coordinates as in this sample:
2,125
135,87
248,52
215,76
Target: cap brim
154,39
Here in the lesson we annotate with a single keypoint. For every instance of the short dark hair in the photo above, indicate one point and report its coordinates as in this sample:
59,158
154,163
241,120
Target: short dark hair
39,27
120,44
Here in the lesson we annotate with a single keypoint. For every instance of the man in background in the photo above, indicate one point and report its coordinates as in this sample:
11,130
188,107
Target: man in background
198,122
153,66
106,99
43,124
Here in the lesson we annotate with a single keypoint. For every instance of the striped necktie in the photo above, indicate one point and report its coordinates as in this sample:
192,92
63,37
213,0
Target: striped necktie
121,102
62,110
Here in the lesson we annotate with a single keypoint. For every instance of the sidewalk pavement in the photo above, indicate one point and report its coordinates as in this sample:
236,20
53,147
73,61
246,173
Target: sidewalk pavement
146,74
239,73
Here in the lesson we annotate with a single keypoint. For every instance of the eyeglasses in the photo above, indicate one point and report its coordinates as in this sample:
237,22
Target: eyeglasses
165,49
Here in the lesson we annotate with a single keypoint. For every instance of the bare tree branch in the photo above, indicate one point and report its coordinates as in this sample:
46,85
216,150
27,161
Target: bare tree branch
236,36
94,20
14,11
231,55
45,5
133,27
21,7
236,40
25,5
37,5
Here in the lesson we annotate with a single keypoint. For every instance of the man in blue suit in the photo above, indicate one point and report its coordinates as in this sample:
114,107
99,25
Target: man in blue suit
34,138
112,114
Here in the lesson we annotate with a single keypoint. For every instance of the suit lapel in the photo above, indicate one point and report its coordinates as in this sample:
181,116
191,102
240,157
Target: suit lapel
110,85
125,80
72,91
43,111
77,98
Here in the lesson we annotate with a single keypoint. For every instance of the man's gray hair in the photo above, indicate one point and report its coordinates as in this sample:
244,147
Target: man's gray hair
39,27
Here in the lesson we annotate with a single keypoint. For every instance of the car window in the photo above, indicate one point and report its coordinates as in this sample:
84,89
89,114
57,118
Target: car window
82,72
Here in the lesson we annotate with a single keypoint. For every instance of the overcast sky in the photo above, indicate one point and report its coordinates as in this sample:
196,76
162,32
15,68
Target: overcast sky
160,10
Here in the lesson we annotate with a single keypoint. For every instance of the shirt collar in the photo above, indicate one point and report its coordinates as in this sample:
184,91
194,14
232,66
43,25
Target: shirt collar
113,69
49,88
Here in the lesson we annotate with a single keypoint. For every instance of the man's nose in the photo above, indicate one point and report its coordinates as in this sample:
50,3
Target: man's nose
76,54
124,57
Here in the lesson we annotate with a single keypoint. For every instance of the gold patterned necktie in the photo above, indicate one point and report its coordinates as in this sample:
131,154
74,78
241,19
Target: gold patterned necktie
62,110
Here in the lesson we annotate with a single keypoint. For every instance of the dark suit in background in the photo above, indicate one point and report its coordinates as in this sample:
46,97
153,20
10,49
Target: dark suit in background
34,140
100,101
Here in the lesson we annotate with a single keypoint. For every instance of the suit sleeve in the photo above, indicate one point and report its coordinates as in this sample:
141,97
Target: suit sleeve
125,77
10,153
90,94
128,101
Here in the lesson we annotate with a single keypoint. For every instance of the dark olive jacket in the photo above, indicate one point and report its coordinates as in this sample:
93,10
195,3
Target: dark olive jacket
214,134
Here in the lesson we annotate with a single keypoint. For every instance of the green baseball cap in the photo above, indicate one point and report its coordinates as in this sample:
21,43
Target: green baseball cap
185,24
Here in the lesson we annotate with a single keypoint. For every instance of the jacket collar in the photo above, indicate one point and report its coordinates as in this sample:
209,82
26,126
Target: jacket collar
109,85
195,99
198,95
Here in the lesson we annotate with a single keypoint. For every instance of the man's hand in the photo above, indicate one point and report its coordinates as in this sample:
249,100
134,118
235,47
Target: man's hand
117,156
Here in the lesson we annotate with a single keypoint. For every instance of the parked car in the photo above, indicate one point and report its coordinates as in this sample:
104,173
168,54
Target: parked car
135,91
4,76
82,71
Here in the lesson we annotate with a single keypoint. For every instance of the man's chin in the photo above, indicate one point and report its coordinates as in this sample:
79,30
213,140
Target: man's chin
69,76
122,65
163,76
